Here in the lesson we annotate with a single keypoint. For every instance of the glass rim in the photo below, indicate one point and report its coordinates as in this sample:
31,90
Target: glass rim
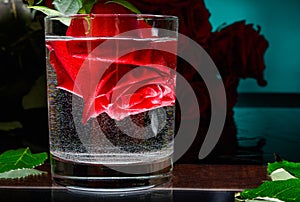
141,15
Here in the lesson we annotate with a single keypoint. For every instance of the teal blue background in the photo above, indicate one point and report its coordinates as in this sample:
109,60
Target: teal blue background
280,24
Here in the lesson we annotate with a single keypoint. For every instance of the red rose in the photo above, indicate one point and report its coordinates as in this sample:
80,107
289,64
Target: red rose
113,90
238,50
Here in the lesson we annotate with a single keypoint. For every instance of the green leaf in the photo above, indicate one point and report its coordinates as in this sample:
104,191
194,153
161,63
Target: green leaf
20,158
51,12
285,190
46,10
87,6
68,7
126,4
291,167
20,173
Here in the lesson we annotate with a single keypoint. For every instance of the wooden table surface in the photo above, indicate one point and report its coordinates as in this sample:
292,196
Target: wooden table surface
185,176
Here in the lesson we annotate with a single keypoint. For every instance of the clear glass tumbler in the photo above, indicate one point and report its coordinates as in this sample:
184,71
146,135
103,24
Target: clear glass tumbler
111,82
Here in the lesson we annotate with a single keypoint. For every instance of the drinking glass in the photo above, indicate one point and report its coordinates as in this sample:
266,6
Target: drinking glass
111,82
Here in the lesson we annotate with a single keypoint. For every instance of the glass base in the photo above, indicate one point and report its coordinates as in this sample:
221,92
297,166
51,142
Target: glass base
101,178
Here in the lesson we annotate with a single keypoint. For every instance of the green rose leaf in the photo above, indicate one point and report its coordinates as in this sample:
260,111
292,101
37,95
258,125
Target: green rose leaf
285,184
126,4
46,10
68,7
291,167
20,173
285,190
51,12
20,158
